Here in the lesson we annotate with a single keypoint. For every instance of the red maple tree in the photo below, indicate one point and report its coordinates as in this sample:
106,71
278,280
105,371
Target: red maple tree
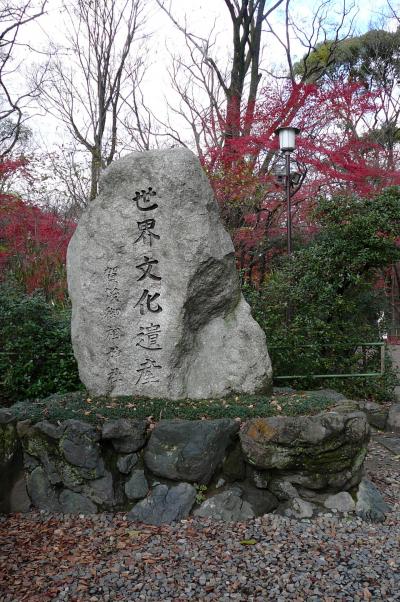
335,151
33,242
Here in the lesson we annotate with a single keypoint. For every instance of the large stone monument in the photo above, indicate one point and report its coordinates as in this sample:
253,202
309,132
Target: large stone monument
156,304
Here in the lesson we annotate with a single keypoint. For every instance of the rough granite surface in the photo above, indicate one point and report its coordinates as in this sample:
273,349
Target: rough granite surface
157,307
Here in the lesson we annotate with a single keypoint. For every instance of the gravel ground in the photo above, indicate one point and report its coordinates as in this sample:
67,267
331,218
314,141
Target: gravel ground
105,557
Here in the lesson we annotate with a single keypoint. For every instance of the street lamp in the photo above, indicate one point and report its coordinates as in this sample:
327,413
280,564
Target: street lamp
287,144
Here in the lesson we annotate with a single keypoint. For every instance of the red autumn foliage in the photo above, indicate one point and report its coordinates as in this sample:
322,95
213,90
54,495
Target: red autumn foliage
335,150
33,243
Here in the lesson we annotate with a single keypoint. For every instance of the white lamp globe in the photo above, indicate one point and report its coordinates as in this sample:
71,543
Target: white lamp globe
287,138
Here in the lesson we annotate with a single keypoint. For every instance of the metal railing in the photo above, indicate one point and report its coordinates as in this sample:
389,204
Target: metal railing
361,346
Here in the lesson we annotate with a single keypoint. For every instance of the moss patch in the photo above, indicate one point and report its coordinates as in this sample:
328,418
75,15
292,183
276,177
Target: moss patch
96,410
9,443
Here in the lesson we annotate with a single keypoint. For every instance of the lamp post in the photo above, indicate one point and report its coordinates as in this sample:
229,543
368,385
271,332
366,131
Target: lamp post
287,144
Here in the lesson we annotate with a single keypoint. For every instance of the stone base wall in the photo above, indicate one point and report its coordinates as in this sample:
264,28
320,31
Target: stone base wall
394,353
157,474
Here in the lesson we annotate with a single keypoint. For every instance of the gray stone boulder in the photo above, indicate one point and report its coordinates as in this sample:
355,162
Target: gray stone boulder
327,394
52,431
19,498
126,463
40,491
261,501
227,506
259,478
11,460
80,444
42,449
157,309
101,491
184,450
393,422
164,505
341,502
282,489
370,504
76,503
377,415
6,416
391,443
69,453
127,436
297,508
137,486
233,465
311,451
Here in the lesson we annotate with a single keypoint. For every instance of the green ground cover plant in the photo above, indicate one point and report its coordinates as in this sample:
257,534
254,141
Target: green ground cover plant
96,410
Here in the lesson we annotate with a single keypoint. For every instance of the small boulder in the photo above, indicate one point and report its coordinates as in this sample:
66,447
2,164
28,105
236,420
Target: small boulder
261,501
137,486
234,466
19,499
41,492
189,450
24,428
76,503
391,443
127,436
79,444
377,415
6,416
126,463
10,462
320,446
78,432
327,394
30,462
227,506
52,431
259,478
164,505
296,508
101,491
393,422
282,489
342,502
370,504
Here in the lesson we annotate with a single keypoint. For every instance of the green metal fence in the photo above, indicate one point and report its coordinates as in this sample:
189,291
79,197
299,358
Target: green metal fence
362,346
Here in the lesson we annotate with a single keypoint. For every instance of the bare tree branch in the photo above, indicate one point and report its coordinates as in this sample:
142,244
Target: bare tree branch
86,93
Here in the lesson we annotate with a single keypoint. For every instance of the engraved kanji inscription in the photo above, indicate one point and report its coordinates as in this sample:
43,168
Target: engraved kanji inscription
148,337
114,332
147,268
147,372
147,301
146,235
143,199
114,353
114,376
111,273
112,293
112,312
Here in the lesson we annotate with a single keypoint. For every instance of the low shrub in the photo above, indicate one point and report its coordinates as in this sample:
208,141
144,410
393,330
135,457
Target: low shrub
333,291
36,357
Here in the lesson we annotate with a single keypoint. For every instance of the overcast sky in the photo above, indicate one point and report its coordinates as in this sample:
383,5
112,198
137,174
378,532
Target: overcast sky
200,16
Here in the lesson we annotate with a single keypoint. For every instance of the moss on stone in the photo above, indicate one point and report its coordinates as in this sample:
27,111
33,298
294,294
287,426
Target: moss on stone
9,443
